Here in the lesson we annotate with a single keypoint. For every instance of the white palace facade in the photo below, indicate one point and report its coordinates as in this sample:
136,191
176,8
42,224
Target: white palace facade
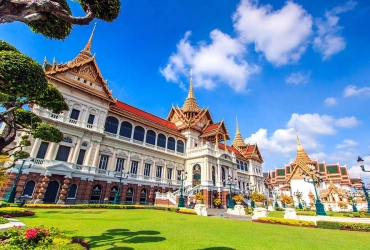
104,137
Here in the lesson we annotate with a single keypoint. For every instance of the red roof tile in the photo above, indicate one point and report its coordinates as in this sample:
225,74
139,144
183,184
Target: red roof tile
250,148
146,115
213,126
222,146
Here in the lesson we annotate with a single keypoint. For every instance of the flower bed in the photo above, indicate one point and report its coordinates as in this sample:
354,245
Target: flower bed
38,238
186,211
289,222
100,206
10,212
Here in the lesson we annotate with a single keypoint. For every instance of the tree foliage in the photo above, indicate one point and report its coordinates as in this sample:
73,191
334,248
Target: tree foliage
54,18
23,82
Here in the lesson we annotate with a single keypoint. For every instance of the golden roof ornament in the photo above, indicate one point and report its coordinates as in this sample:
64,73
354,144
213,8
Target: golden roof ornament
238,139
190,104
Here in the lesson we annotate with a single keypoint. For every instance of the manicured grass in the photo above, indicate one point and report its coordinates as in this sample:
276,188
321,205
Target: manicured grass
152,229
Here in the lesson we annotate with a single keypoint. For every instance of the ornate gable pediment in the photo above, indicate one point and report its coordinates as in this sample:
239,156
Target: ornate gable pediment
106,151
122,154
60,167
159,162
137,157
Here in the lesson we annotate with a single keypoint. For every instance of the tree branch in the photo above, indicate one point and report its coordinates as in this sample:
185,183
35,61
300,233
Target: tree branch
30,10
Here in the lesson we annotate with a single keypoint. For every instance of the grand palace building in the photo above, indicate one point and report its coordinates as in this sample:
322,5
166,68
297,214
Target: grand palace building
106,139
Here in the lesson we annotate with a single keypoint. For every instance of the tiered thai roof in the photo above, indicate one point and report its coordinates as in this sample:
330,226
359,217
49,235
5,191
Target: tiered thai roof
238,139
190,105
83,66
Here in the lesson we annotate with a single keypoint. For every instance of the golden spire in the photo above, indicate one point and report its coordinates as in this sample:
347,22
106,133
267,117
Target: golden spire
238,139
88,45
190,104
301,157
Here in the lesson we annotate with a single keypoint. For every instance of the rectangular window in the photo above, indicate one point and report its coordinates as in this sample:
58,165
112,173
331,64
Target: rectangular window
42,150
120,164
91,119
63,153
158,173
147,169
134,165
81,157
169,173
103,164
75,114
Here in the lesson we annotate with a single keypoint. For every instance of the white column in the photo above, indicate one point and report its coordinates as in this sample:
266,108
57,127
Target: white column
87,157
112,162
140,171
51,151
128,163
75,151
96,155
35,147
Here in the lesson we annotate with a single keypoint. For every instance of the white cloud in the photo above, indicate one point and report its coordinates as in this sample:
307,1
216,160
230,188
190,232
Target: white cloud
281,35
352,90
320,156
330,101
347,122
329,40
347,144
297,78
221,61
310,127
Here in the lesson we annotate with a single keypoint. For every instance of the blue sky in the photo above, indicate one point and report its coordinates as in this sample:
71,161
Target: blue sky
275,64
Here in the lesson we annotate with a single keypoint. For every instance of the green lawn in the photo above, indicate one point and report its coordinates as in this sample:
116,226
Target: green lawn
153,229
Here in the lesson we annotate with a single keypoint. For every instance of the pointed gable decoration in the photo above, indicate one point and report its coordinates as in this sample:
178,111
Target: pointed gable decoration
82,67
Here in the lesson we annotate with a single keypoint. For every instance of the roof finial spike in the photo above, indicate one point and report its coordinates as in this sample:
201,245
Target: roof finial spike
298,141
88,45
237,125
191,93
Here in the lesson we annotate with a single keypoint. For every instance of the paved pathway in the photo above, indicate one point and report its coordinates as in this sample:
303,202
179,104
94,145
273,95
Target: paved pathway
222,213
12,223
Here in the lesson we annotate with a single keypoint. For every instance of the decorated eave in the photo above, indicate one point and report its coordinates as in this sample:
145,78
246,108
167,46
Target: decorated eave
130,112
230,149
252,152
215,133
84,66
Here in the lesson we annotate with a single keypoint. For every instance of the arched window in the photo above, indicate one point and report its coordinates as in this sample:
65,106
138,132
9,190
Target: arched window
223,176
96,194
143,196
126,129
196,175
111,125
246,166
139,133
238,164
242,165
67,139
28,189
150,137
161,141
130,196
180,146
171,143
113,193
72,191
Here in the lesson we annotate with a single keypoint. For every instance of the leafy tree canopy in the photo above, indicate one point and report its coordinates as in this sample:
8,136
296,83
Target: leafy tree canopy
53,18
23,82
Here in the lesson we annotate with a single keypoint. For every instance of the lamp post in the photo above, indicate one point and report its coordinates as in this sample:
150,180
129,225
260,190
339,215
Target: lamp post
11,193
351,197
276,194
314,178
181,198
230,183
120,176
251,189
364,189
299,195
168,198
360,163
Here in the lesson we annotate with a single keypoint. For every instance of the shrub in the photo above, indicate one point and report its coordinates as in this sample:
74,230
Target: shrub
307,213
11,210
257,197
238,197
355,226
342,204
328,224
3,220
36,238
361,215
217,202
286,199
4,204
199,196
288,222
248,210
279,209
186,211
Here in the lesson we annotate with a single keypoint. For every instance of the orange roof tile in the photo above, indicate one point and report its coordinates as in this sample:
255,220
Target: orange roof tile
222,146
213,126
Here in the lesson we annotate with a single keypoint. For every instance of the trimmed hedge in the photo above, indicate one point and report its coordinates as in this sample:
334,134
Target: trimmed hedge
328,224
361,215
344,225
279,209
290,222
